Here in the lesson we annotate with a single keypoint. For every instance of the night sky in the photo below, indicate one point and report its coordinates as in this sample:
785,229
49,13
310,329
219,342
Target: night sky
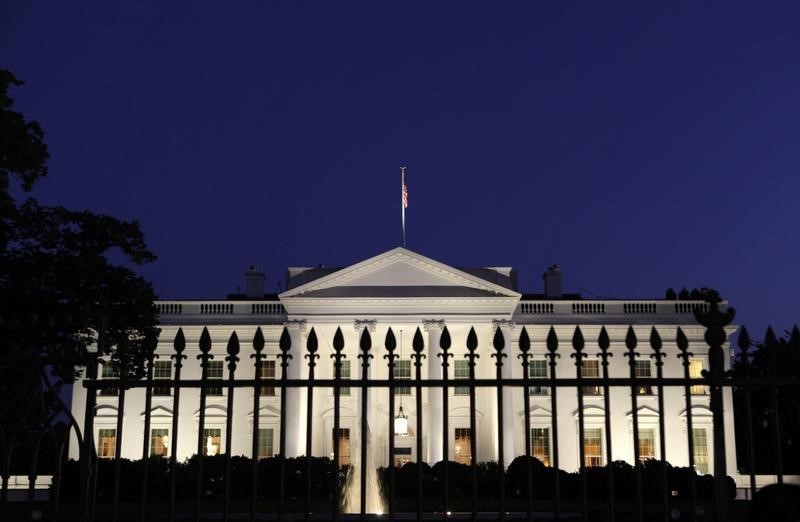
638,146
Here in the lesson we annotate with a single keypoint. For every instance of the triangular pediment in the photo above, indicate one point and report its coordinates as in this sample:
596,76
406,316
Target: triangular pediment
399,273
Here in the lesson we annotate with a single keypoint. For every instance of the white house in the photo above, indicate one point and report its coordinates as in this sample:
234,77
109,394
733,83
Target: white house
405,291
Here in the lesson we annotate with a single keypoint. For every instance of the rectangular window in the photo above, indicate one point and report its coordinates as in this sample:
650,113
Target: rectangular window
538,370
695,372
461,371
106,443
344,373
540,444
214,373
591,370
265,443
463,445
213,439
647,444
700,440
162,371
159,442
109,371
642,369
592,447
343,441
266,371
402,371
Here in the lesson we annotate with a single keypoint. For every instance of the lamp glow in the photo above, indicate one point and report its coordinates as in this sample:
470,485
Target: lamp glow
401,423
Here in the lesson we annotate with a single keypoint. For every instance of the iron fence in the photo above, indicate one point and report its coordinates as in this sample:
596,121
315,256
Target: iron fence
523,502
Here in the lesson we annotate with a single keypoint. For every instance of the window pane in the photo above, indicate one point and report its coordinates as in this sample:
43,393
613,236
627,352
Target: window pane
463,445
540,444
343,441
214,372
647,444
213,438
695,372
265,443
402,370
108,371
592,446
700,440
344,373
266,371
642,369
538,370
106,443
591,370
162,371
461,371
159,442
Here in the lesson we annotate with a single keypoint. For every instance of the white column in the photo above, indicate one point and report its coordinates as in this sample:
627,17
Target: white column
296,402
509,451
435,397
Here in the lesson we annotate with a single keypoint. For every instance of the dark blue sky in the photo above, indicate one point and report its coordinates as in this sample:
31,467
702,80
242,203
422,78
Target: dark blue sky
638,146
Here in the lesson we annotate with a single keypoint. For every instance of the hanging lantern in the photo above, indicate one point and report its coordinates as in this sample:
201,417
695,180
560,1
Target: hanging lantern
401,423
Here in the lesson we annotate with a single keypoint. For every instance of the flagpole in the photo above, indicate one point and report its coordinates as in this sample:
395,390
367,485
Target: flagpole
403,201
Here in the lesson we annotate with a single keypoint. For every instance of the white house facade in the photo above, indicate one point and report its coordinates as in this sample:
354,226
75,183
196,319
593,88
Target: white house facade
406,291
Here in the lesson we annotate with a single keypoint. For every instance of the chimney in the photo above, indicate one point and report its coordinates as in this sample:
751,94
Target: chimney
254,283
552,281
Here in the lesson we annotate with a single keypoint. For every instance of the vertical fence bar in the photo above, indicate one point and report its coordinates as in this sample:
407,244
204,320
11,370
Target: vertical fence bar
365,344
148,404
89,454
744,346
285,345
578,344
258,357
418,345
232,358
603,342
658,355
472,345
632,354
311,346
771,344
179,345
525,355
118,442
338,346
204,357
391,343
499,345
552,346
444,344
685,355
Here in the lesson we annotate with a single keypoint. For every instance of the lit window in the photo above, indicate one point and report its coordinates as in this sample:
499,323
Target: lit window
592,447
591,370
647,444
266,371
343,441
109,371
214,373
106,443
642,369
700,442
695,372
402,371
212,438
265,443
344,373
538,370
159,442
461,371
162,371
463,445
540,444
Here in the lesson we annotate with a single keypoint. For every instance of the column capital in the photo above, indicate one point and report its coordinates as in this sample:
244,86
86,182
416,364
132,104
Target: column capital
504,324
299,324
432,324
369,324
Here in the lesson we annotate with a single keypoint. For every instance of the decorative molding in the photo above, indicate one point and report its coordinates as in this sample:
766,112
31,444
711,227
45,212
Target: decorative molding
503,324
429,324
369,324
300,324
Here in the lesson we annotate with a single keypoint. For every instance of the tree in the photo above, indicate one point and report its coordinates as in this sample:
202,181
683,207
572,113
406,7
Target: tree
60,291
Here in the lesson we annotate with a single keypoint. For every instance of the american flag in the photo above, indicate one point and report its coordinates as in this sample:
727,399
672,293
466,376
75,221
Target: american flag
405,195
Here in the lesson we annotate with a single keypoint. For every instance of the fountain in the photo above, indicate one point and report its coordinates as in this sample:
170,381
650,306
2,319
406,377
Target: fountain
352,488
